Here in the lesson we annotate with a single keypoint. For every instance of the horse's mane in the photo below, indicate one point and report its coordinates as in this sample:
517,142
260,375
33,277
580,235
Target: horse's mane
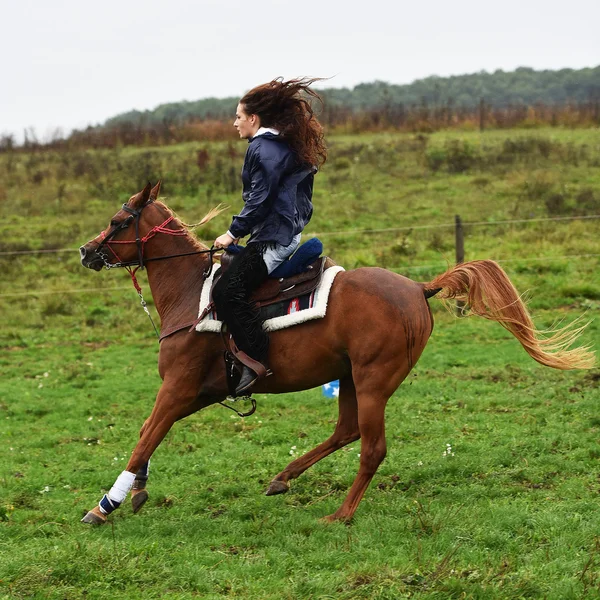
209,216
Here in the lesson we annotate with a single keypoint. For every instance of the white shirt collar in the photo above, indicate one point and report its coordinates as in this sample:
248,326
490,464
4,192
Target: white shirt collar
263,130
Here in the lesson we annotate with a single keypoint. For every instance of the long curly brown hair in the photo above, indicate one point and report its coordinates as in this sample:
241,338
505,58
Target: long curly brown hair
285,105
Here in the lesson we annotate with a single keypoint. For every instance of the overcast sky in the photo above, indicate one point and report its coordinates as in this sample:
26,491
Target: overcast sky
70,63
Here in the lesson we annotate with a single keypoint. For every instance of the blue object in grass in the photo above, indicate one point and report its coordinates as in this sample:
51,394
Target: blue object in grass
332,390
306,254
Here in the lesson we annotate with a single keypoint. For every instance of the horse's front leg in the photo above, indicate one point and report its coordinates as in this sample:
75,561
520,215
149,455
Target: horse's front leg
172,404
139,494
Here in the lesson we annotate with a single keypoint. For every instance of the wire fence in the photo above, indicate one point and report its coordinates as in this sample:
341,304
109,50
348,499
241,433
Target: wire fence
452,225
500,261
75,291
356,231
398,268
51,251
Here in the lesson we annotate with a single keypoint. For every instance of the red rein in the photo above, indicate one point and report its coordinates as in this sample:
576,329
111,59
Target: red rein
162,228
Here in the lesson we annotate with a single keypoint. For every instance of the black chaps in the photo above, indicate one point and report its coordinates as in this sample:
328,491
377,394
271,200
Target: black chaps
231,296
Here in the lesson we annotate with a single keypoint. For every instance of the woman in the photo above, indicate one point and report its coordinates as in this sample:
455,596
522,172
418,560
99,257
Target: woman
285,147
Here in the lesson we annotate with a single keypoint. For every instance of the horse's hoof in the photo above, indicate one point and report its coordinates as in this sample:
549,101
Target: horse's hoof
94,517
334,519
138,500
328,519
277,487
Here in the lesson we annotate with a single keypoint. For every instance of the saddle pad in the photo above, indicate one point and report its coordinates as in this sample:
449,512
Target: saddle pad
296,314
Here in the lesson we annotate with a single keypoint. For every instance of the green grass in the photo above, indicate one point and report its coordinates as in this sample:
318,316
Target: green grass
510,513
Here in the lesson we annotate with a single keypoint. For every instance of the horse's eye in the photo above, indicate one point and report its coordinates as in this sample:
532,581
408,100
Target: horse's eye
120,224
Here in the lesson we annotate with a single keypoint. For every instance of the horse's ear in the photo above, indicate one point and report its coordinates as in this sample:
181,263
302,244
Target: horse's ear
155,191
145,193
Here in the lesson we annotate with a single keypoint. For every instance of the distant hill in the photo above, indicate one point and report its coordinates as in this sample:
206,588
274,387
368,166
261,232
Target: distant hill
178,112
524,86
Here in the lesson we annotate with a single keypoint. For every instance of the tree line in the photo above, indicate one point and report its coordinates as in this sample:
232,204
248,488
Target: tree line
501,89
521,98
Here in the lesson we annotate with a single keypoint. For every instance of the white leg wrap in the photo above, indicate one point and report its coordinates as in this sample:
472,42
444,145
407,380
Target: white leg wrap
122,487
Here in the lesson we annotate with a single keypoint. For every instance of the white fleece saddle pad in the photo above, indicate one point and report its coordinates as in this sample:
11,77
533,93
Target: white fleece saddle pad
317,306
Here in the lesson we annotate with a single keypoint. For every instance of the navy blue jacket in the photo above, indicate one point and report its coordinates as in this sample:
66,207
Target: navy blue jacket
277,192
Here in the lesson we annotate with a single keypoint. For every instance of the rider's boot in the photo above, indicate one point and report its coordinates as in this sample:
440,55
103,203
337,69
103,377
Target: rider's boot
252,371
247,380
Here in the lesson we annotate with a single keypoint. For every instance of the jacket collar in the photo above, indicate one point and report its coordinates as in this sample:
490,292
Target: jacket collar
264,131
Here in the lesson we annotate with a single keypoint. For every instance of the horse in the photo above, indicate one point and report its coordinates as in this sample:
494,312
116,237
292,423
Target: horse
375,329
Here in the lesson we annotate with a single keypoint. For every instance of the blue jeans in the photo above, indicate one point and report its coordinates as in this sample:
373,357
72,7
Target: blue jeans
273,257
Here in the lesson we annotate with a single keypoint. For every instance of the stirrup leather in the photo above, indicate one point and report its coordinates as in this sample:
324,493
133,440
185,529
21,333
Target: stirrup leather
235,360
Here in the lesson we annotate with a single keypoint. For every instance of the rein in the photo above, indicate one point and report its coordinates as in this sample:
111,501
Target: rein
139,264
140,242
108,241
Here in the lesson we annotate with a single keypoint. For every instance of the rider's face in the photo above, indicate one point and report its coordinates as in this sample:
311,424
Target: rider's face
247,125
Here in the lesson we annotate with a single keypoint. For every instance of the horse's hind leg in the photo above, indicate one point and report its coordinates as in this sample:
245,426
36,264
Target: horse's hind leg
346,431
373,389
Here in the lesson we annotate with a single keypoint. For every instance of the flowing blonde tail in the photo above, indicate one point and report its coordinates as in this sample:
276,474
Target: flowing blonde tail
489,293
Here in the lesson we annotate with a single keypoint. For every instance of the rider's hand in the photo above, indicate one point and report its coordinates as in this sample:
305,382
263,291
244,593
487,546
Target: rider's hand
223,241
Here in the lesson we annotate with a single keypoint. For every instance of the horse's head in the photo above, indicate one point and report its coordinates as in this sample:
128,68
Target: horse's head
122,242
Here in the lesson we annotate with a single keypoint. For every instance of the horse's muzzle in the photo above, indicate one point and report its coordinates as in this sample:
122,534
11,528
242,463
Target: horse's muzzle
90,259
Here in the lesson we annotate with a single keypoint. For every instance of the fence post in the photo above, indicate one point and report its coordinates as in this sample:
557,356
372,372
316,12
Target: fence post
460,254
481,114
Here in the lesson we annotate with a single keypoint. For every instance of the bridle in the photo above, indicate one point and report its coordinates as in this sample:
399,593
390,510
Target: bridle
134,215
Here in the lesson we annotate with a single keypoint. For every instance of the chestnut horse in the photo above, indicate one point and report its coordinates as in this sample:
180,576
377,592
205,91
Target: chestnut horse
375,329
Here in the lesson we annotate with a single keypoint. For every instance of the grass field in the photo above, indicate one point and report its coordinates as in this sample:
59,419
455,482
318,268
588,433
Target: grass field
490,486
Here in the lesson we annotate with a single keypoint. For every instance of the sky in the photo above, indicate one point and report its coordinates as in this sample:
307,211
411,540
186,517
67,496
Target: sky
67,64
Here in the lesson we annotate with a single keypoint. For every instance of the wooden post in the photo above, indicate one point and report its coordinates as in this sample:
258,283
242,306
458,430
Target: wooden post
481,114
460,254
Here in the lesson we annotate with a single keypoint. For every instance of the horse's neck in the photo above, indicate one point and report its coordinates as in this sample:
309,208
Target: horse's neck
176,283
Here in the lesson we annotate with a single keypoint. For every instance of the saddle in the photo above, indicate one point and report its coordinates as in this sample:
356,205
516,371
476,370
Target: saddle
300,276
275,290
